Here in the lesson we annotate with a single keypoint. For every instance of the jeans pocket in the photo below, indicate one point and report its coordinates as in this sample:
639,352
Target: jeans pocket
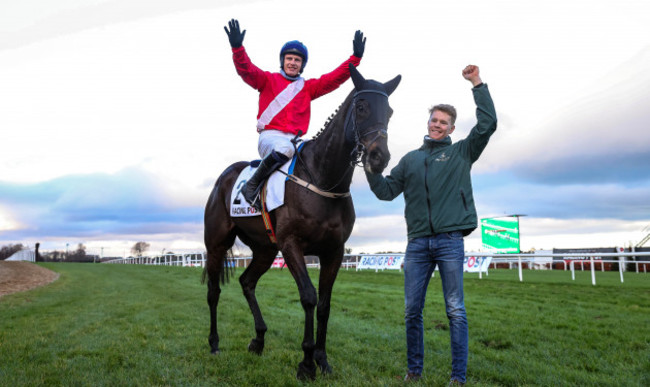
455,235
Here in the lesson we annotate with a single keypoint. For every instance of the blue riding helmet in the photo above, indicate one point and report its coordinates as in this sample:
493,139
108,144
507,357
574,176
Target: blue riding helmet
297,48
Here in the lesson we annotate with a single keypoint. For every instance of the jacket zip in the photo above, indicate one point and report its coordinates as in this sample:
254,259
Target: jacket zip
462,196
426,188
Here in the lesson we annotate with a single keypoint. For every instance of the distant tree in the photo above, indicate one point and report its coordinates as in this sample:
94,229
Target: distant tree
9,250
139,248
53,256
348,250
78,255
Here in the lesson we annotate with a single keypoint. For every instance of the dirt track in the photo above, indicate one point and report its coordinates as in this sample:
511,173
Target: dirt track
16,276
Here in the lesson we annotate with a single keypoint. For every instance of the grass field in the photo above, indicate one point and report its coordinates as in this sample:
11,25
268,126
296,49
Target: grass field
119,325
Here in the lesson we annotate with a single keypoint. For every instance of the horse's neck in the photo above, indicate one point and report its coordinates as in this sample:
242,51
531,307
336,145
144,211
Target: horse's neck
329,156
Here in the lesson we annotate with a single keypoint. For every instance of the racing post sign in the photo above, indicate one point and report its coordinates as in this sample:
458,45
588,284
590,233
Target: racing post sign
500,235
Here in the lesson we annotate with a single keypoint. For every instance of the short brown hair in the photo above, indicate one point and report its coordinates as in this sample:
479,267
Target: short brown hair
445,109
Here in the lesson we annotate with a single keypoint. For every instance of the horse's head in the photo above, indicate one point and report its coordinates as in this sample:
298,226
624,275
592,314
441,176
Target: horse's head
367,123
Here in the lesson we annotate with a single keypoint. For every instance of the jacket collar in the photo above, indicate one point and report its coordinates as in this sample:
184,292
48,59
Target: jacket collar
430,143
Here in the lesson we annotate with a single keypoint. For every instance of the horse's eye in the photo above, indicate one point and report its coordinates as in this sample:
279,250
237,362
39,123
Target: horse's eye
360,108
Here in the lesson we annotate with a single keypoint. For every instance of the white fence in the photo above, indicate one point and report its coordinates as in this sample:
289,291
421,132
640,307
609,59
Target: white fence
568,261
186,260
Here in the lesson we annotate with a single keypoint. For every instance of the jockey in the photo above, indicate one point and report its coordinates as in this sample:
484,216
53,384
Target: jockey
285,100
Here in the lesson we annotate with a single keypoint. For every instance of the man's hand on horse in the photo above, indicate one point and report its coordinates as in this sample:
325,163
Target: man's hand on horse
235,36
359,44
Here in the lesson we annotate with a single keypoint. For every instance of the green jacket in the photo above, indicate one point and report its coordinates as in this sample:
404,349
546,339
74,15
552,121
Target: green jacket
435,178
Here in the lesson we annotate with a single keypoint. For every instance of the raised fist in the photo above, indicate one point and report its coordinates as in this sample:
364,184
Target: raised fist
471,73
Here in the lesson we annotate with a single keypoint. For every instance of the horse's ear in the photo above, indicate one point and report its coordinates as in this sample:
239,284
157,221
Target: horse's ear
392,84
357,78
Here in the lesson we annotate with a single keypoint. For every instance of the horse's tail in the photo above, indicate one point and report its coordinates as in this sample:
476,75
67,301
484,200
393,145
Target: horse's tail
227,271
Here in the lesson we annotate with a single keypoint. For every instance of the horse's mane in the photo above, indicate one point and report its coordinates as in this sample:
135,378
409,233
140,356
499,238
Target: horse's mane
330,119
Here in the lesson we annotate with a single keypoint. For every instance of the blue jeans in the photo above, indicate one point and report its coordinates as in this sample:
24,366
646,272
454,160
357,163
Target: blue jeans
445,250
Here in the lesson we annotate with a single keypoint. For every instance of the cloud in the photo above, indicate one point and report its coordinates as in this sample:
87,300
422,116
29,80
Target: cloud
502,194
129,202
33,20
601,137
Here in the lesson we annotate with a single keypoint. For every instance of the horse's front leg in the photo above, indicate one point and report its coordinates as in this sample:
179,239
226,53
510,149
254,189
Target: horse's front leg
330,265
296,263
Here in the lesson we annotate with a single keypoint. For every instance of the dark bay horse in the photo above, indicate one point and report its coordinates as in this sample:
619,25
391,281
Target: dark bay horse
309,223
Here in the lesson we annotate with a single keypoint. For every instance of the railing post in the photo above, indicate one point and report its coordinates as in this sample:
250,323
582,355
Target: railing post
573,270
521,278
620,270
593,272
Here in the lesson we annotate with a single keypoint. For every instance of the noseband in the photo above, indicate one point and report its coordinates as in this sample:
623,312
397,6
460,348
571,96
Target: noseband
353,132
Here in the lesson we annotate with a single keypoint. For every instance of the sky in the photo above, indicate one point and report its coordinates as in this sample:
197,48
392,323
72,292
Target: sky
117,116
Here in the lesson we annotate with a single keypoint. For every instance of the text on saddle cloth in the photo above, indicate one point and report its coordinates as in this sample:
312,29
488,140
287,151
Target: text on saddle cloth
239,207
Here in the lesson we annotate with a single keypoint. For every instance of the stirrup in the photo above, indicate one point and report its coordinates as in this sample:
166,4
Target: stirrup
254,201
257,203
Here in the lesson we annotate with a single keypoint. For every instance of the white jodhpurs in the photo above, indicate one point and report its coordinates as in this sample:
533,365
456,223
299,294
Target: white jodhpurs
275,140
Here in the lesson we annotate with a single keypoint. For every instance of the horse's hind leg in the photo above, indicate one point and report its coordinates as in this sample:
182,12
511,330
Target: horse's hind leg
219,236
214,269
262,260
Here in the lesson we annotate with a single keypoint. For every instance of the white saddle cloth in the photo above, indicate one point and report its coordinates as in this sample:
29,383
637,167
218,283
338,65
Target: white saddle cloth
274,192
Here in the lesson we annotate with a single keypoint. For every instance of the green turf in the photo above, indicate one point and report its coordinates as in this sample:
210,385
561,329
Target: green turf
103,324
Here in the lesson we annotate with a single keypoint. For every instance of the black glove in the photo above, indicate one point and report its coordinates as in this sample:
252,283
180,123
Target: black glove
235,37
359,44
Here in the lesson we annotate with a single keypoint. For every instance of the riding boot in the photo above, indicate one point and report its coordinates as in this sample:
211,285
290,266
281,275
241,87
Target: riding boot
254,185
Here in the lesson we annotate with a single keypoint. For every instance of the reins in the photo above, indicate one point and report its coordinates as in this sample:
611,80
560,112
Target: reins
355,156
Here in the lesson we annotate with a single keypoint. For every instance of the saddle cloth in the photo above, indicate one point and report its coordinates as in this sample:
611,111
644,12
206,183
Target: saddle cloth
239,207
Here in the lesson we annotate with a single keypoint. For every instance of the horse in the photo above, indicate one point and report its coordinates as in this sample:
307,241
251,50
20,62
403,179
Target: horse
315,221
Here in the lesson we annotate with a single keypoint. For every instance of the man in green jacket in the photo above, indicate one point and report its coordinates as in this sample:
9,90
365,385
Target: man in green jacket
440,212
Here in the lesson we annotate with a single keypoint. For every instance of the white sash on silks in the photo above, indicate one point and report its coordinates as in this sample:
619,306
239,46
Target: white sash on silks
279,102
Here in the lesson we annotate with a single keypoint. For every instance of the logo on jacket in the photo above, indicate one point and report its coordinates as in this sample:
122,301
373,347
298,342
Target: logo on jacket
442,157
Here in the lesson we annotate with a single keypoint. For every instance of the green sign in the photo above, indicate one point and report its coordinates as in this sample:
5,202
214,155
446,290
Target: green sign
500,235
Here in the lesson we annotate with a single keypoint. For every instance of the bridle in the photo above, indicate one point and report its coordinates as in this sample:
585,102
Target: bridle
352,134
352,131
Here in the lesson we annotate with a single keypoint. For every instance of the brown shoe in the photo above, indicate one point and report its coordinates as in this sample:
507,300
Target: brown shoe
454,382
412,377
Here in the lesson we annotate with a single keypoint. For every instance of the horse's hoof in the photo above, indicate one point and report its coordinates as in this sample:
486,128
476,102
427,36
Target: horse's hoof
321,361
256,346
306,373
325,368
215,352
